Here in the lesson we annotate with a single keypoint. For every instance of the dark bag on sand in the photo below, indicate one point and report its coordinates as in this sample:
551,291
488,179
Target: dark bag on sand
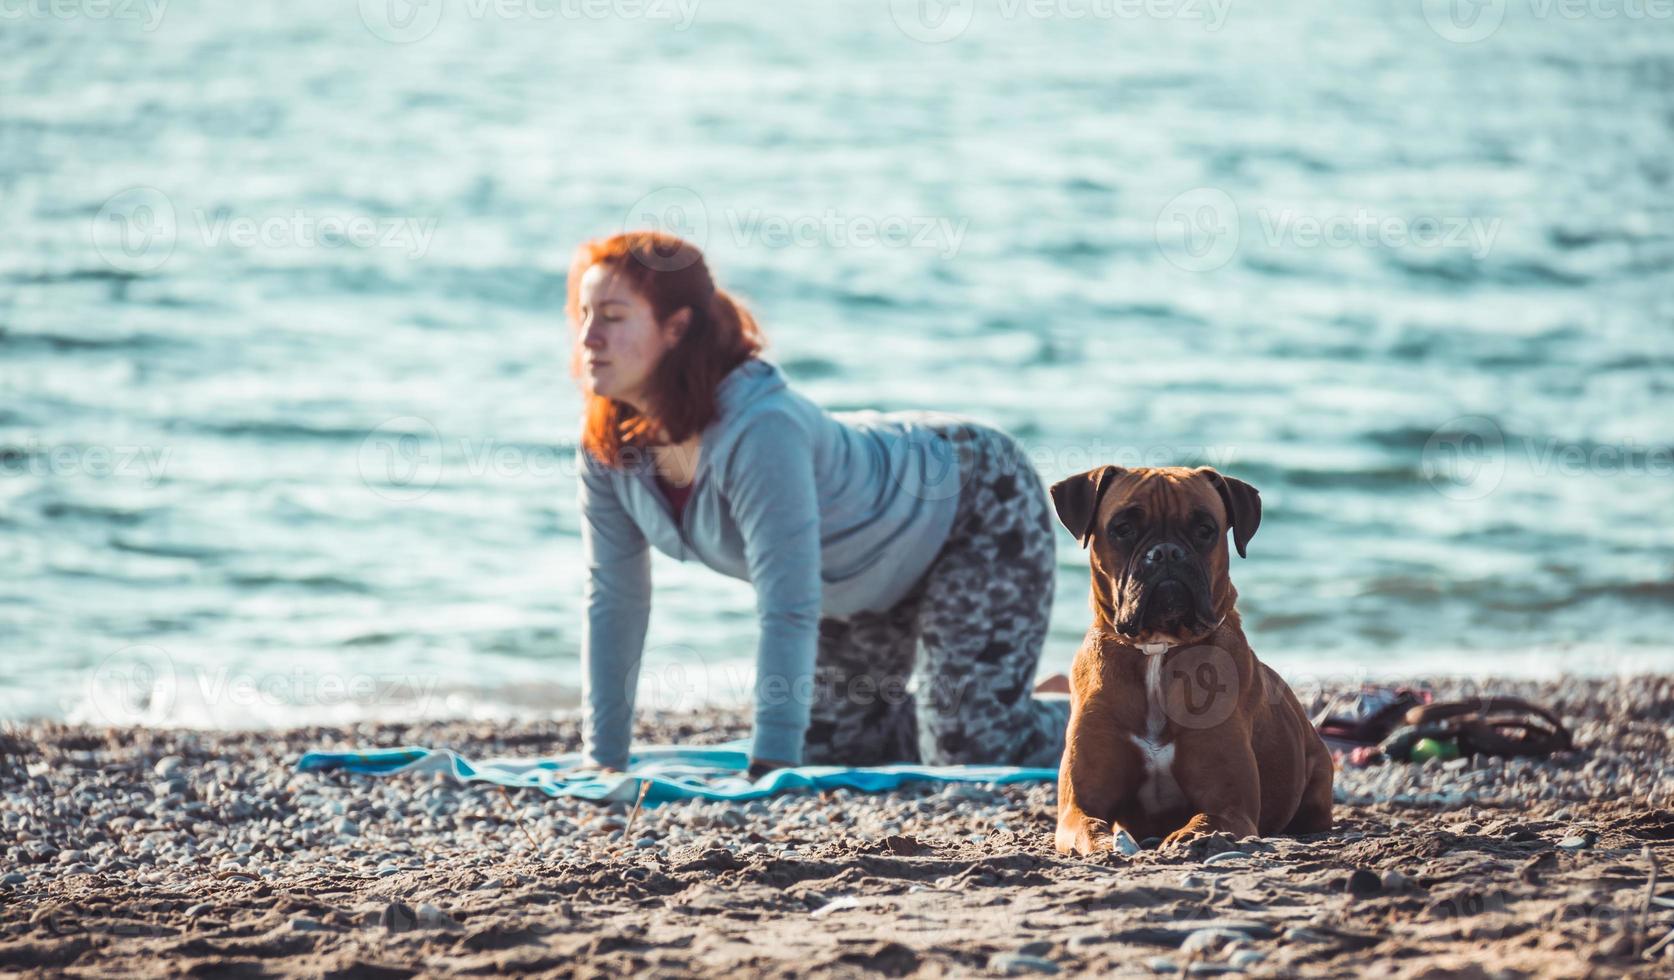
1507,727
1367,718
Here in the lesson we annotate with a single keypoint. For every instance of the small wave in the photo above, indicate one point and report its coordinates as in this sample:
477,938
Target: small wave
96,274
1075,250
281,430
1374,478
372,640
514,287
1233,163
1460,269
1269,264
65,510
877,301
320,583
1149,311
1575,239
1403,587
1279,622
164,550
812,368
25,342
1087,185
1411,438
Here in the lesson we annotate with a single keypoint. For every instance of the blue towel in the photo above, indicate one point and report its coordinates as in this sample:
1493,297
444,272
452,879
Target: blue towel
674,772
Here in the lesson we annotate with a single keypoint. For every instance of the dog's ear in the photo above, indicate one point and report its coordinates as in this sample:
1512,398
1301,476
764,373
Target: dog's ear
1243,506
1077,499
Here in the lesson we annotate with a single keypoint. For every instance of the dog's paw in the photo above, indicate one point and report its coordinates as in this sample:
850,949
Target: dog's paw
1198,840
1195,828
1095,840
1181,840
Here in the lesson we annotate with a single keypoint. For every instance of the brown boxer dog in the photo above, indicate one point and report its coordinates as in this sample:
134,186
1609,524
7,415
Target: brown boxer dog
1175,728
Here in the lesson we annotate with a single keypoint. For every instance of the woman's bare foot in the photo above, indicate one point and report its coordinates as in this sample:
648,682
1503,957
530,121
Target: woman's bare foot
1056,684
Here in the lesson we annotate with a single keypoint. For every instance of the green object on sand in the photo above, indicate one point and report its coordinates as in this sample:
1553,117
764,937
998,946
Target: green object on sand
1426,749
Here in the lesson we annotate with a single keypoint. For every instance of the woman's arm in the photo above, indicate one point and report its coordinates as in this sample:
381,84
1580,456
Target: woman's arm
618,599
769,483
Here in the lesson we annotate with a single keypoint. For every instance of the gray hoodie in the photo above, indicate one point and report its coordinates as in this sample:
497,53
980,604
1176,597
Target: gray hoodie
826,514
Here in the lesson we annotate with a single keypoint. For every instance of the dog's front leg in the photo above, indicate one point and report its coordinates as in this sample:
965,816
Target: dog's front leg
1224,787
1095,775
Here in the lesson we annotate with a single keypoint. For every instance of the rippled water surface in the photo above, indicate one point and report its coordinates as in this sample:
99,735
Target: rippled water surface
285,424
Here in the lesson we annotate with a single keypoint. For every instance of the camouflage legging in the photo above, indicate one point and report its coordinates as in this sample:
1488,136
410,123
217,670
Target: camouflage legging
981,612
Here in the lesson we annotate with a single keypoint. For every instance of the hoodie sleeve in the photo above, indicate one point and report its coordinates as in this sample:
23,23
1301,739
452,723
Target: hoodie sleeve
769,482
618,601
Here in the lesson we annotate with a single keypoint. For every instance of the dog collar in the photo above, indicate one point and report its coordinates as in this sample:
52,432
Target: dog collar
1162,647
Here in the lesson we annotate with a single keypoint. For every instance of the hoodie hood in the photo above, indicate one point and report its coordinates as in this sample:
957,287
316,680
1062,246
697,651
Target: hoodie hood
748,382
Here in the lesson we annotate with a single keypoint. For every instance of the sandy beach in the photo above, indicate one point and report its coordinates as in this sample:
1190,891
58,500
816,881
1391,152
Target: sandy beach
141,852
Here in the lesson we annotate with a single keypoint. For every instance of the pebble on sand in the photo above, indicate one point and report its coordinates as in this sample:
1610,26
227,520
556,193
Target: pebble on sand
1019,964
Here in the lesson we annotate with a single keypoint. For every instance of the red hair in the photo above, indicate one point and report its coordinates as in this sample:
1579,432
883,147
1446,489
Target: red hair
671,274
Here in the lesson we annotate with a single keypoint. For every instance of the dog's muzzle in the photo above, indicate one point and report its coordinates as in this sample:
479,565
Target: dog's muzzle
1173,590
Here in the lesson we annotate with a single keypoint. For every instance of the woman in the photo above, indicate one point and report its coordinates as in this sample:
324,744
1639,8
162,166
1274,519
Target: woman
864,535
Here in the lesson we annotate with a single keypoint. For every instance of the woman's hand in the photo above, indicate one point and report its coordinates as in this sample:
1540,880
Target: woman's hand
761,767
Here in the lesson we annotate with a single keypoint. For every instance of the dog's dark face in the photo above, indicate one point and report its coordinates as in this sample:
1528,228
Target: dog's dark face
1158,546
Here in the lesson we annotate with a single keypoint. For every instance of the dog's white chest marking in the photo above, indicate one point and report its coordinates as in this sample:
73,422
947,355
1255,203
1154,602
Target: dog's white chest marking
1158,789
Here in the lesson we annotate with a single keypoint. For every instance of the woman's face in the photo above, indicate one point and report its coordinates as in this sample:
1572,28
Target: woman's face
623,341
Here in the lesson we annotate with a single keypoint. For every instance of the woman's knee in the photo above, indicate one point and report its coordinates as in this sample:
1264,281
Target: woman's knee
1026,733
